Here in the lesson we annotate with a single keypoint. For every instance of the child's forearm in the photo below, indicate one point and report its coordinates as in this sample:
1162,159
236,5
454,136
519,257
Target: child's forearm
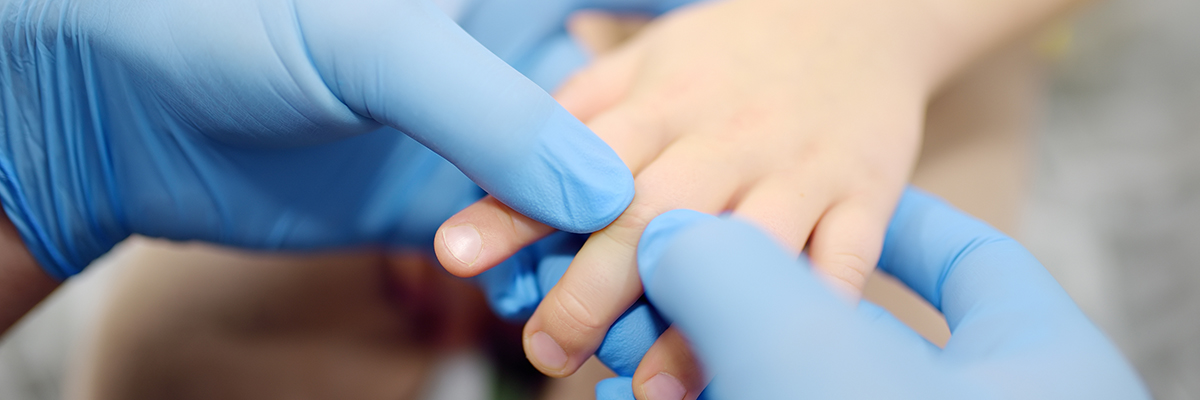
967,28
22,282
926,41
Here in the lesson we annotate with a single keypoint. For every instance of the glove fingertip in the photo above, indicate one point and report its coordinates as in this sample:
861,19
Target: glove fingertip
658,234
630,337
586,186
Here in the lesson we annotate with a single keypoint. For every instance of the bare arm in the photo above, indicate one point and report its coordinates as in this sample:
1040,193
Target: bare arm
962,30
803,116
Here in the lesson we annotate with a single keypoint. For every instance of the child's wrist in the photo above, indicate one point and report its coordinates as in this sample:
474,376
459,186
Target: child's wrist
922,43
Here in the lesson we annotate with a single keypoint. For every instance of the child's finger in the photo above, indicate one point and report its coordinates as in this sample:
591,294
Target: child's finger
602,281
846,242
787,206
669,370
637,136
488,232
483,235
600,86
601,32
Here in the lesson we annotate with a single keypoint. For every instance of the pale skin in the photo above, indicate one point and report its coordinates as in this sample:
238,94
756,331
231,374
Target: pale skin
802,116
861,72
156,285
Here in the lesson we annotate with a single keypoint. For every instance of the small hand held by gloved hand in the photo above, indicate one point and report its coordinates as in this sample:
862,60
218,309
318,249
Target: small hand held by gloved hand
768,328
257,124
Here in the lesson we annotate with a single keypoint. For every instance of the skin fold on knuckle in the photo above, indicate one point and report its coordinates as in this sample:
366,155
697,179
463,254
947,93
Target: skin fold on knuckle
849,267
627,229
571,312
505,217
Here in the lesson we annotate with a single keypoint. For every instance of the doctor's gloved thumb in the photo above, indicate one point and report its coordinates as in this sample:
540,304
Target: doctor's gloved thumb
407,65
741,299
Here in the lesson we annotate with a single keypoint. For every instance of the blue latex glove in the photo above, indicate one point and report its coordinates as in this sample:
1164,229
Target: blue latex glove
514,289
531,35
245,122
769,329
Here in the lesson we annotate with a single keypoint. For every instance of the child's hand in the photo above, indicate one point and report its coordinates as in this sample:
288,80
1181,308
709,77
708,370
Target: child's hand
804,117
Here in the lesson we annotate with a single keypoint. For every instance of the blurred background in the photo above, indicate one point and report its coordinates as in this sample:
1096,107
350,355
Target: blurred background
1114,210
1113,207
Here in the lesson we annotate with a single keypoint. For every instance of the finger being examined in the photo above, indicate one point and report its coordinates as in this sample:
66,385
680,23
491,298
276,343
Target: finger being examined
847,241
483,235
670,370
602,281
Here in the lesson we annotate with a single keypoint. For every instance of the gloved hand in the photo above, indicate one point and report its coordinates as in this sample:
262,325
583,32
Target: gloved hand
768,328
515,287
246,123
531,35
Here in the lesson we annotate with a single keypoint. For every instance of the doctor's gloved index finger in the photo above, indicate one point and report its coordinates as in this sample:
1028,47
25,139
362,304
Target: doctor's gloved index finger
407,65
1002,306
974,274
768,328
752,311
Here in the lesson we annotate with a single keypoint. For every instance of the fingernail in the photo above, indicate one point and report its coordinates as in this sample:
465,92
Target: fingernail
547,352
464,242
663,387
